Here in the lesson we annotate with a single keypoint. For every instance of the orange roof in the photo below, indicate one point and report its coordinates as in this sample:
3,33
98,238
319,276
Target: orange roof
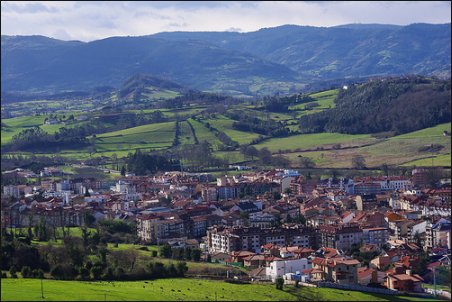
364,272
405,277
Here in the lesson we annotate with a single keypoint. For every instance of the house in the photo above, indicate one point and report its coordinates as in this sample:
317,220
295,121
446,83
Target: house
380,262
254,260
281,267
367,275
339,270
220,257
239,256
258,274
407,282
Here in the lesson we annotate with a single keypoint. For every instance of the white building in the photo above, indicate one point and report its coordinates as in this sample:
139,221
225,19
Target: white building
281,267
11,191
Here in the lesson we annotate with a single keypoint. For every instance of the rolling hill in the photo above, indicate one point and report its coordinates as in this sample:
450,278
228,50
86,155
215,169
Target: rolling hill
281,59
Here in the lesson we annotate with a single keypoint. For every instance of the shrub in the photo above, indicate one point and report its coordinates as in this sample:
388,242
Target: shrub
25,271
37,273
279,283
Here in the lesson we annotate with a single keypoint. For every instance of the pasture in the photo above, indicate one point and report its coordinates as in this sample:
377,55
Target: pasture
224,124
181,289
315,140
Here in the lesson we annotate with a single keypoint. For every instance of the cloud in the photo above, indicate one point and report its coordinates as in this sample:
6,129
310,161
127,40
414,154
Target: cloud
92,20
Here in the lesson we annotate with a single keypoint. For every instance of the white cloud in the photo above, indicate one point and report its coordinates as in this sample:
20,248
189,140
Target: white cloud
92,20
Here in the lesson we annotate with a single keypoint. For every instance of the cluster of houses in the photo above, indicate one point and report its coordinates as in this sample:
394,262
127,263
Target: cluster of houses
278,223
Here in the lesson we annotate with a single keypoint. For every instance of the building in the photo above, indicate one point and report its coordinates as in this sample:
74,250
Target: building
339,270
377,236
367,188
229,239
153,228
11,191
279,268
406,282
340,237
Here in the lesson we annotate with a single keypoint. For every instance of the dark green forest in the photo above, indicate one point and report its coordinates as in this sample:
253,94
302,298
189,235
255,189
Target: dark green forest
397,105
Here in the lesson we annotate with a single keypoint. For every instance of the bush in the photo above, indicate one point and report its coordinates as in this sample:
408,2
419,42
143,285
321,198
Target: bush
25,271
37,273
279,283
63,272
4,275
13,270
234,281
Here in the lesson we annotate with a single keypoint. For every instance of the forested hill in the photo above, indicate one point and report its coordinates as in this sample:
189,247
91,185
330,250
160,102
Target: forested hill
399,105
281,59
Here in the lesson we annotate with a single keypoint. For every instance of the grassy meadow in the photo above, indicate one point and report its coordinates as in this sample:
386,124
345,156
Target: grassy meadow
175,290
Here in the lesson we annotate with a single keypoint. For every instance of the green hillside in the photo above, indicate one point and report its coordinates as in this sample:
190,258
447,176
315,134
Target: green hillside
176,290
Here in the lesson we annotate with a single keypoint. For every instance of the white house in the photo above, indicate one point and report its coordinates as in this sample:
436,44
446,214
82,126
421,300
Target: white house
281,267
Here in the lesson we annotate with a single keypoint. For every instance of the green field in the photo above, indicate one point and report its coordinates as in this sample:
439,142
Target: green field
159,135
224,124
175,290
312,141
324,99
202,133
440,160
17,124
397,150
153,93
186,135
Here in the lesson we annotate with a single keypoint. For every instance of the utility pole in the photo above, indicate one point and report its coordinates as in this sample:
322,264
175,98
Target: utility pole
434,279
42,290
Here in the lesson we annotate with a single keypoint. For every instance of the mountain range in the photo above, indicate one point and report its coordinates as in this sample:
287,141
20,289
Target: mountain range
281,59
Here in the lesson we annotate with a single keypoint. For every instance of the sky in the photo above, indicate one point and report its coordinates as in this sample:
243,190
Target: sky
93,20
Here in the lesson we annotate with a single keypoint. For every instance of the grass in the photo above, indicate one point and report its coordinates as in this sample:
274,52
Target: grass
186,135
442,287
397,150
224,124
231,156
312,141
17,124
202,133
175,290
325,99
332,294
440,160
159,135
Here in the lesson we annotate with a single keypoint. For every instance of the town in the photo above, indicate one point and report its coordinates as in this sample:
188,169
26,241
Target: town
378,234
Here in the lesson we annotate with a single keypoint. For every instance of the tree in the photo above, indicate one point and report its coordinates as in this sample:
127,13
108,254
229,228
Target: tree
196,254
123,171
181,268
165,251
385,169
358,162
96,271
306,162
279,283
265,156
